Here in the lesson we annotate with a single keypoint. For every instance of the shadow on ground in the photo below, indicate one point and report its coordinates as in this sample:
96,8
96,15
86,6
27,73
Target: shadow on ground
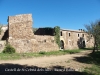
90,58
16,69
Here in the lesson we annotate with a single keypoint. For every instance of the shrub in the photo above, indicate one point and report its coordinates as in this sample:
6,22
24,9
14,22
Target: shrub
41,52
9,49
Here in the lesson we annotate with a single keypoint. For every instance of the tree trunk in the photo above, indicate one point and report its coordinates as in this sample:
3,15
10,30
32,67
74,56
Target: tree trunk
94,46
93,50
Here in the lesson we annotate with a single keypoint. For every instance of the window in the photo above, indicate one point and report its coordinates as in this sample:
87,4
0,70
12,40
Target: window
61,33
82,35
78,35
69,34
44,40
91,35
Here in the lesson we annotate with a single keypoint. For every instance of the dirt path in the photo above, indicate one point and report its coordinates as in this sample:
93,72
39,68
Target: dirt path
63,60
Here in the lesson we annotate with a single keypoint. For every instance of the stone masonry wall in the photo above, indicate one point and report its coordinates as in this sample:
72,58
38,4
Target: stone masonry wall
39,43
21,36
45,43
20,32
20,26
71,42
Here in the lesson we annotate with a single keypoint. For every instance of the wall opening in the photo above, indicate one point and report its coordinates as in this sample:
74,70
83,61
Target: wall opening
81,43
62,44
61,33
82,35
45,31
78,35
91,35
5,36
69,34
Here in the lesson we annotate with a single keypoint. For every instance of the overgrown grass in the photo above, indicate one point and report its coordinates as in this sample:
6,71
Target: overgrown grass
88,48
95,60
15,56
94,70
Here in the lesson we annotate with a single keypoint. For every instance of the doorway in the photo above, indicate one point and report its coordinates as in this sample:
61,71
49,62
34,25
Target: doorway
62,44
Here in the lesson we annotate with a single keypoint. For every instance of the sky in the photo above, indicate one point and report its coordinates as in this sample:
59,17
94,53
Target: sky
68,14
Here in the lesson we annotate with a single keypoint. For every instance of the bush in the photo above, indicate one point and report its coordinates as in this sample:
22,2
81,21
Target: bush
9,49
41,52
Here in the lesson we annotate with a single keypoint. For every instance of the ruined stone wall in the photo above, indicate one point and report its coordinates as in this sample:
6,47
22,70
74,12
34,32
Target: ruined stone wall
45,43
20,32
21,36
2,45
20,26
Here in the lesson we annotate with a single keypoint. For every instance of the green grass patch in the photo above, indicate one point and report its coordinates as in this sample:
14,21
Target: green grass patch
15,56
72,51
94,58
87,48
94,70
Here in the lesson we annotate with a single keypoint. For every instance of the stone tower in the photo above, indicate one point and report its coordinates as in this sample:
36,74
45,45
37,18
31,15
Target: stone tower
20,32
20,26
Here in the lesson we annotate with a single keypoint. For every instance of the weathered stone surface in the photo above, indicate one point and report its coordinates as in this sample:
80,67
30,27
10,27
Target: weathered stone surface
2,45
45,43
40,43
21,45
20,26
71,42
20,32
21,36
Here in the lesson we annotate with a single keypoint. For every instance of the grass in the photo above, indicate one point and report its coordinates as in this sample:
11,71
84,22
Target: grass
94,70
95,61
15,56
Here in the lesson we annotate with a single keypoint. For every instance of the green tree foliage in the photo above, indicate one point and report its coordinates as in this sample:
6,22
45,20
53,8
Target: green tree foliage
57,35
94,29
0,28
35,29
9,49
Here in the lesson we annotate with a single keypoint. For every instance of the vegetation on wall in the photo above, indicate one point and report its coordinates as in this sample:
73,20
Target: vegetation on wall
57,34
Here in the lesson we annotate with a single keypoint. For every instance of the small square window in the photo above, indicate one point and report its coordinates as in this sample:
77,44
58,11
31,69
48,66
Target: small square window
91,35
69,34
44,40
82,35
61,33
78,35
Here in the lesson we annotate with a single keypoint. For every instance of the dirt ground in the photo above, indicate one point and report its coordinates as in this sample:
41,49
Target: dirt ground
66,61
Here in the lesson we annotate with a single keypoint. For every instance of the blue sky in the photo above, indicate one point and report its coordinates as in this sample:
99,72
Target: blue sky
68,14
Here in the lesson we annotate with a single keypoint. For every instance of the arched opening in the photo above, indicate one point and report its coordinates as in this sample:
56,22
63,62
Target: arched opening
61,44
83,44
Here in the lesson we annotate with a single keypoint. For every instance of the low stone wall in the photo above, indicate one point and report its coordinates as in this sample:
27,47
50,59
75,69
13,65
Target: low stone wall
45,43
34,45
2,45
22,45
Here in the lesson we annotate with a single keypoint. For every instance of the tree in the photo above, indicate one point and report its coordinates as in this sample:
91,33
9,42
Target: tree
94,29
0,28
